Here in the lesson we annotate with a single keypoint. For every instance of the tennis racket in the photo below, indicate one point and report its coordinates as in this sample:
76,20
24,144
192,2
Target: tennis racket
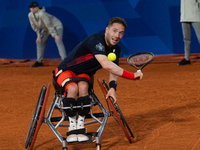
140,60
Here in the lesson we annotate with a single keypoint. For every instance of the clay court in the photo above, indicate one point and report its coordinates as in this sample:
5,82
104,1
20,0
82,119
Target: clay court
162,110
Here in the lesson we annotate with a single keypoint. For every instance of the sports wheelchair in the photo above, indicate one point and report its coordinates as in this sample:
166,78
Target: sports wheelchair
62,121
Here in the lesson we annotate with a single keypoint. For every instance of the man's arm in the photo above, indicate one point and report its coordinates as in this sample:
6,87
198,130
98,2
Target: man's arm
108,65
112,92
34,27
114,72
115,69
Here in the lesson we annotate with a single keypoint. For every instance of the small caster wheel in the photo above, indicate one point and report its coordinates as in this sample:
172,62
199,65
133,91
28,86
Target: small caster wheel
98,146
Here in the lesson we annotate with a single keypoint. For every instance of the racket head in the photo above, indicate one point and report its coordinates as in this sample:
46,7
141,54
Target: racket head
140,60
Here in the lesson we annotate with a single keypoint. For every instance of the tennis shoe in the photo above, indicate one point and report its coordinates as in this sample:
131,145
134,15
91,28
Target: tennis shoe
37,64
184,62
72,137
82,137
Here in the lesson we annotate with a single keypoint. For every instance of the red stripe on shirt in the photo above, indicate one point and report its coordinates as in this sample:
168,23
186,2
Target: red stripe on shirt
80,60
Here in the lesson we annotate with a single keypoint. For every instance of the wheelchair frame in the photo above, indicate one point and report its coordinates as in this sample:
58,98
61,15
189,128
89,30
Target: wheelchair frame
101,118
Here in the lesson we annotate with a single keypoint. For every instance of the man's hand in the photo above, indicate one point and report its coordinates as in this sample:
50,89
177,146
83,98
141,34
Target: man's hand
112,93
57,38
38,40
138,75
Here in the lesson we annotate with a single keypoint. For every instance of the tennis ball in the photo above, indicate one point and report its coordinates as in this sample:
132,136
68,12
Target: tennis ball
112,56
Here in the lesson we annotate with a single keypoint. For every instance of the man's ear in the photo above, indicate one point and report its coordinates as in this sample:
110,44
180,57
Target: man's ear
106,29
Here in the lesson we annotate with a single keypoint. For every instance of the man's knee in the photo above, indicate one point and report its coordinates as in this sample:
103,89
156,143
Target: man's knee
72,90
83,101
83,88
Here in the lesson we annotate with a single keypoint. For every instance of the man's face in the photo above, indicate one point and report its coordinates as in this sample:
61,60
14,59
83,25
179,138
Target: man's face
34,9
114,34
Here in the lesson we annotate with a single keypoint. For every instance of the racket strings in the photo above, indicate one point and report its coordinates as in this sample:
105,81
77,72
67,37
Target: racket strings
140,59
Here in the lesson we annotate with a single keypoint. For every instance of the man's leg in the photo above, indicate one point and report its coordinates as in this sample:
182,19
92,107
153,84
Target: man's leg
71,113
196,26
70,101
60,45
186,29
82,112
41,45
40,49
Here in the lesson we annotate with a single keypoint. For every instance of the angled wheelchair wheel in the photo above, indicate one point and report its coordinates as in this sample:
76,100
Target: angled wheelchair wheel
122,119
38,117
116,112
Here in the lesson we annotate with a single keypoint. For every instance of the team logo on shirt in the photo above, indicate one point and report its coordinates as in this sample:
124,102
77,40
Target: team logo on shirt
100,47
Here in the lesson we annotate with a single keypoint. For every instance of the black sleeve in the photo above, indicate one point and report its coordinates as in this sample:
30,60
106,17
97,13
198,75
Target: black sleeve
96,45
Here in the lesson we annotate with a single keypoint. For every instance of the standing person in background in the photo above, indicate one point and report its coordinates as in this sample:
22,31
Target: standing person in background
51,26
190,17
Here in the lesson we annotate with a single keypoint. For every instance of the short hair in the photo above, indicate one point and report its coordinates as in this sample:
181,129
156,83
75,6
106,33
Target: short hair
117,20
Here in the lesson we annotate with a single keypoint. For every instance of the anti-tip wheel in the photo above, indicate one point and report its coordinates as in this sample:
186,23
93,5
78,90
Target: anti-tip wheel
98,146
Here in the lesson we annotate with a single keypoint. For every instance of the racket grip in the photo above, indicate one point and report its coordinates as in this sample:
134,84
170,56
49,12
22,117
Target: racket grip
138,78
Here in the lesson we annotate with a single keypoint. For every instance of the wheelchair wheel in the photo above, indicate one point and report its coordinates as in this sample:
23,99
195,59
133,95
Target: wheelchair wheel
38,117
116,113
122,119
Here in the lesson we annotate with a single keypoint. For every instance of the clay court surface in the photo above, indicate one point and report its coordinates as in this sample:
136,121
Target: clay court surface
162,110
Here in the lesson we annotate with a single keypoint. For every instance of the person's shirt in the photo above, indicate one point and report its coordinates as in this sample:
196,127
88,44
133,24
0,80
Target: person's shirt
82,58
44,21
190,11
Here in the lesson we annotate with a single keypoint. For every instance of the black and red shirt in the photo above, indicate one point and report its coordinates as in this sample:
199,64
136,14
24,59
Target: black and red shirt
82,60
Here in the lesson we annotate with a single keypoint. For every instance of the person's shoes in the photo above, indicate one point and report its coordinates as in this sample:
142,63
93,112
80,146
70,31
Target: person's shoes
37,64
184,62
70,136
82,137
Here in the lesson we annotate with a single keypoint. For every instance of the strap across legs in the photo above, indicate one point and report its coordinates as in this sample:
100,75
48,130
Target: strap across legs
66,81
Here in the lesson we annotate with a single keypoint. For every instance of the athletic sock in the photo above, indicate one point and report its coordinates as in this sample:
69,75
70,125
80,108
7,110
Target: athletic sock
72,120
81,119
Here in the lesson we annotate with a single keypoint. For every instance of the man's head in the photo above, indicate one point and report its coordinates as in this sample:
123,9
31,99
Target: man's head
115,31
34,6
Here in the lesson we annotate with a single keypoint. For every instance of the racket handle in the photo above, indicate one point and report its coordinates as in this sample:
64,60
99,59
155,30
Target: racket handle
138,78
